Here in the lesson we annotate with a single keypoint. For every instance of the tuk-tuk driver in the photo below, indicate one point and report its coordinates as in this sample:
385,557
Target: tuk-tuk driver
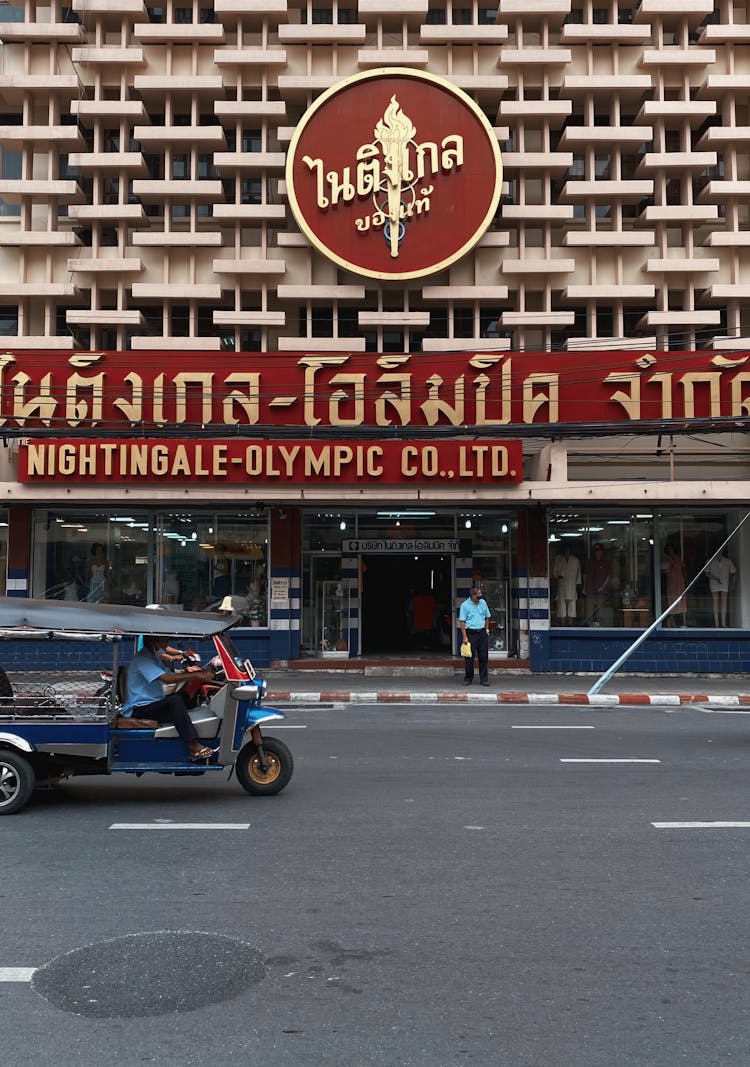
145,694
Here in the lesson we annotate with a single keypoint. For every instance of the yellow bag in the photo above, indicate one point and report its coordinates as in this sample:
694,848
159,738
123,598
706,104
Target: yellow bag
466,650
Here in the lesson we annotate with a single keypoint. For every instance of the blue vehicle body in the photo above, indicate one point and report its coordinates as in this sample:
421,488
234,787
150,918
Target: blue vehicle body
49,735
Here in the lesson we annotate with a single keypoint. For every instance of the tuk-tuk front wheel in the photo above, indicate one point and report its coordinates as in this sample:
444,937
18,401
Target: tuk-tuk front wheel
17,781
279,766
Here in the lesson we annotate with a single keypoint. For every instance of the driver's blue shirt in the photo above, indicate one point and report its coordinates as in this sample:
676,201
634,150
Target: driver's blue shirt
144,685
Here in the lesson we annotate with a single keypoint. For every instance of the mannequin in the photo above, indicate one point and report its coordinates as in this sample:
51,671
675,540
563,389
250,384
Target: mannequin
674,569
567,574
98,571
597,584
721,573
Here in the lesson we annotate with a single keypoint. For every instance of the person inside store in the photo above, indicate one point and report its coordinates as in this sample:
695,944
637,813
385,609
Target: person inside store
598,574
422,619
674,569
222,583
145,702
567,575
474,620
98,572
721,574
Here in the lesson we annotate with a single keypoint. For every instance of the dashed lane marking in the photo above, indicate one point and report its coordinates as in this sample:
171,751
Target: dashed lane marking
701,825
180,826
553,727
16,974
610,761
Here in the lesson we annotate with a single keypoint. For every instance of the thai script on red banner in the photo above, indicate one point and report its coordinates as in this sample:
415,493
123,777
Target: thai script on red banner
247,392
277,463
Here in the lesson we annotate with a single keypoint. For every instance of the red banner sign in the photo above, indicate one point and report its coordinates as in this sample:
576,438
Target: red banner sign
247,392
272,463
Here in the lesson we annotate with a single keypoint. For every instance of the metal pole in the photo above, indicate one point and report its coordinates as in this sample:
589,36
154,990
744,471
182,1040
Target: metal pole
647,632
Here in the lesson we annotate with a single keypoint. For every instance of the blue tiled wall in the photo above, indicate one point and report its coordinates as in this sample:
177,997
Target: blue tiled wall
665,652
81,656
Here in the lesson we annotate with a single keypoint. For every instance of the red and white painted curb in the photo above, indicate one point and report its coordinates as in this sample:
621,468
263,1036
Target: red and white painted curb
392,696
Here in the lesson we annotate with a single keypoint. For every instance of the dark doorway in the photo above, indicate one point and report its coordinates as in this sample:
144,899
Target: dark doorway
406,604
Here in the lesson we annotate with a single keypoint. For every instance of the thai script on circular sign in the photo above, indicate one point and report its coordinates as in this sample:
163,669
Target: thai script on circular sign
394,174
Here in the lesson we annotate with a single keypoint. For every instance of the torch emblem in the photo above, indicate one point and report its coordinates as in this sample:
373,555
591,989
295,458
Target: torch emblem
394,133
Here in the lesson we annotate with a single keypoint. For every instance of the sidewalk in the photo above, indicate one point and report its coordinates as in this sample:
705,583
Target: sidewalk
415,686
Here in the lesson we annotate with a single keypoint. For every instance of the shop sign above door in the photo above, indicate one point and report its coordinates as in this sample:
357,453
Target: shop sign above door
275,463
397,546
394,173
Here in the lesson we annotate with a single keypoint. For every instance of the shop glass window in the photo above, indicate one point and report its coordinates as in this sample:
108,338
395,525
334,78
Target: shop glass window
326,530
91,556
601,568
627,568
214,563
194,561
491,555
686,541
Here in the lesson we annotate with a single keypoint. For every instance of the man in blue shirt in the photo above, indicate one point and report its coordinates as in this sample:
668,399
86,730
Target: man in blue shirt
474,620
145,693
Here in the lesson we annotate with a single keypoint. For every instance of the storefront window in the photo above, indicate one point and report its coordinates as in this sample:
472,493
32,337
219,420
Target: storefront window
601,569
686,542
92,557
626,568
237,551
189,560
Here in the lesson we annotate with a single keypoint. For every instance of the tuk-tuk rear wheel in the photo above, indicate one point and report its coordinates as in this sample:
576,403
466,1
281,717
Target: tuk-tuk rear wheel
17,781
251,775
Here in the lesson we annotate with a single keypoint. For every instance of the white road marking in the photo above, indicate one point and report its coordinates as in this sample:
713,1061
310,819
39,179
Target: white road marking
16,974
701,825
610,761
553,727
180,826
287,726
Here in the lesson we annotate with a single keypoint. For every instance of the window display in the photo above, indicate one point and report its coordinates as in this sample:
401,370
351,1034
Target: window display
625,569
191,560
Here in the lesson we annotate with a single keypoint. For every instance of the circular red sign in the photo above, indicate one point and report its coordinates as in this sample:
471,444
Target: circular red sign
394,174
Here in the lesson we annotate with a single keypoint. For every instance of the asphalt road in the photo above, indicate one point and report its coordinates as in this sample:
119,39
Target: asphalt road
436,886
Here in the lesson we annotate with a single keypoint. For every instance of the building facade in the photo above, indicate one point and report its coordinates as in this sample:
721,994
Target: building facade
148,241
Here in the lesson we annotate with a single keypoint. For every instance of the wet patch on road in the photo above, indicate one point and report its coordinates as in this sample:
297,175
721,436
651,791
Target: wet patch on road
158,973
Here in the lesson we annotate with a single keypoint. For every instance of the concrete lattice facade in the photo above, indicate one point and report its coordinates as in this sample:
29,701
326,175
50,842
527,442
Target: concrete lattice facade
143,152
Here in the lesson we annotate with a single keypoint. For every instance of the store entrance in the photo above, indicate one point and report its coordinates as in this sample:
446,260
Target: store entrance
406,604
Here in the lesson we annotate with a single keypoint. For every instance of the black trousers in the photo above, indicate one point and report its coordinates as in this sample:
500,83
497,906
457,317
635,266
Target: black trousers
480,648
169,709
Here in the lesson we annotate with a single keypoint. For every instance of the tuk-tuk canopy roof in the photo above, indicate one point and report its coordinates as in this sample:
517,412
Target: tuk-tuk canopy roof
20,617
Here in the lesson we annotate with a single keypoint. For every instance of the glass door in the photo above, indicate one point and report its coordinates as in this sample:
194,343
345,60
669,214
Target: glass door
333,606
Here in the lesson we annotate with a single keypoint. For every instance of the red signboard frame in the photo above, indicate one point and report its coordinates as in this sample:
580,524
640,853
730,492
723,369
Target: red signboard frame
251,394
394,173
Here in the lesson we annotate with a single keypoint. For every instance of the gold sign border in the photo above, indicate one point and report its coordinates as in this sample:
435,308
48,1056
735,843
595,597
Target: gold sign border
384,72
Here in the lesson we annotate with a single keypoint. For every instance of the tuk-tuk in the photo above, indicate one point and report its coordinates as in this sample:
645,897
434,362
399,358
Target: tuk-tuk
52,729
